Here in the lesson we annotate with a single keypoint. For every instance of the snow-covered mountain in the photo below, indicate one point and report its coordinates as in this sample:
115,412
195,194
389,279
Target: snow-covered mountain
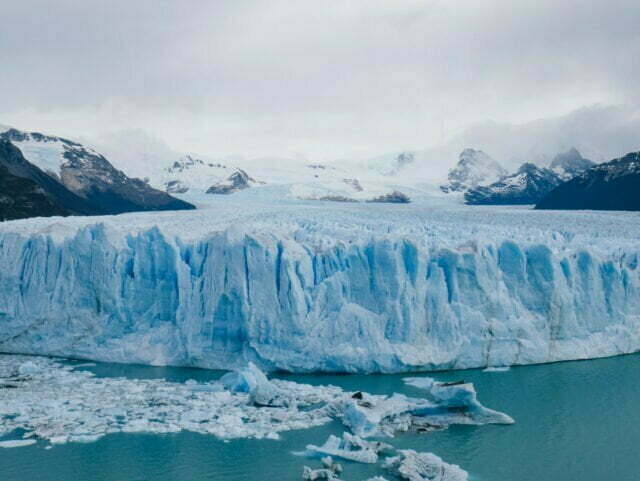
64,201
570,163
527,186
89,175
236,182
295,178
531,182
599,132
474,168
614,185
189,172
20,196
390,164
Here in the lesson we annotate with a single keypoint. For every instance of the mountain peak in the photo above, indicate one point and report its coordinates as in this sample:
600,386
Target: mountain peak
570,163
527,186
474,168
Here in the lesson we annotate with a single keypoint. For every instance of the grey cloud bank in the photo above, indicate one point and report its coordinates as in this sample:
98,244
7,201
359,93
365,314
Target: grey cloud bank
327,79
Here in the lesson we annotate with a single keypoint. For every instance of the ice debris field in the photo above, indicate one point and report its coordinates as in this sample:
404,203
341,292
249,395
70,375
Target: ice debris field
45,400
323,286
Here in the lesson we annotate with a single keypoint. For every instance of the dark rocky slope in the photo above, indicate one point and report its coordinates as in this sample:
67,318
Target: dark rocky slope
614,185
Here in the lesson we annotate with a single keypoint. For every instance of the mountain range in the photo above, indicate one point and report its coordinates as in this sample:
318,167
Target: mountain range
74,180
47,175
530,183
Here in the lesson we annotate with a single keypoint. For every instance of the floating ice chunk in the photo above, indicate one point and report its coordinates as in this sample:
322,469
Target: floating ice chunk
415,466
350,447
40,405
368,415
253,381
329,463
61,404
309,474
455,400
496,369
244,380
18,443
444,404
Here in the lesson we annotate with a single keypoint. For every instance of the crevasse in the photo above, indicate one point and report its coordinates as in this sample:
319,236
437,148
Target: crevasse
287,301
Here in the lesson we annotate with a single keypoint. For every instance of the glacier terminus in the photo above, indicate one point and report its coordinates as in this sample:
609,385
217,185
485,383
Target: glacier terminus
301,286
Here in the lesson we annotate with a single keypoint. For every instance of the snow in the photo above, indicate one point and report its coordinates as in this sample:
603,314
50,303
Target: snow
475,168
294,178
48,156
323,286
48,153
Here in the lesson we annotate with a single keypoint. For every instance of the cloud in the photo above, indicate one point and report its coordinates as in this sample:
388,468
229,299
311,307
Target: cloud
325,78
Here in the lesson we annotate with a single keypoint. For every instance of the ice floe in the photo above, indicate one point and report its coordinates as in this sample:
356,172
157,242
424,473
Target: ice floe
17,443
454,403
349,447
309,474
414,466
58,404
254,382
497,369
445,404
48,400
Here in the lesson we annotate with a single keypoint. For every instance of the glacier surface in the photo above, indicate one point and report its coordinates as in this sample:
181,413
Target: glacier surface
319,286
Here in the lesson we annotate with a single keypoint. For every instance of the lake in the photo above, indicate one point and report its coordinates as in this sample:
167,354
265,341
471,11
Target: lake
574,421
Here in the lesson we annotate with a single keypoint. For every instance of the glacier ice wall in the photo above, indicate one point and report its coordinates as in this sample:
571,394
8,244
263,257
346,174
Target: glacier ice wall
289,301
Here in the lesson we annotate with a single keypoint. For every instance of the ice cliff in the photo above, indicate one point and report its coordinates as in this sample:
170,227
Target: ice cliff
355,289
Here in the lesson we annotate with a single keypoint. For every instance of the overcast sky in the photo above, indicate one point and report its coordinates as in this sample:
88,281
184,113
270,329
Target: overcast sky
324,78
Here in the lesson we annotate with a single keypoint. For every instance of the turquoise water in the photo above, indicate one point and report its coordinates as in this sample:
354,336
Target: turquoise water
574,421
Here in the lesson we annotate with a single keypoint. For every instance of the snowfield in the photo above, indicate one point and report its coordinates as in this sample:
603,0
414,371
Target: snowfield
323,286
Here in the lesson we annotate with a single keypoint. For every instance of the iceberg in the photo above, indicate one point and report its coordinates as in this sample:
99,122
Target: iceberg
379,415
350,447
300,288
309,474
414,466
445,404
455,403
254,382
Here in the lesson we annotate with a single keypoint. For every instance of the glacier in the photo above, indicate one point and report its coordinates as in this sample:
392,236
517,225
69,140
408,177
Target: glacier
317,286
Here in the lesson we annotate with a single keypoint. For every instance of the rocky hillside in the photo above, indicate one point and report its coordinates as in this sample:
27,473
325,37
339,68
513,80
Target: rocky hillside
21,197
89,175
614,185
